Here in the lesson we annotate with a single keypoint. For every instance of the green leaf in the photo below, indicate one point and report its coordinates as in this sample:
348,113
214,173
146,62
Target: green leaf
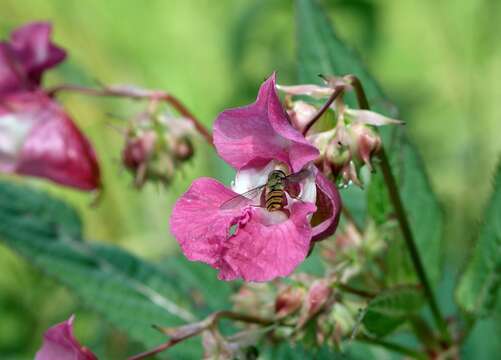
478,287
390,309
320,51
130,293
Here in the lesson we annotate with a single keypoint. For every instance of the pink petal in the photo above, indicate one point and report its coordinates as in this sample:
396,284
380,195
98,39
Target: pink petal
60,344
198,223
34,49
262,251
326,218
11,74
54,148
261,132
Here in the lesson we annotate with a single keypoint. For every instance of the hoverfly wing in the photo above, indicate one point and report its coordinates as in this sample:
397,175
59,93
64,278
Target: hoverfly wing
242,199
298,177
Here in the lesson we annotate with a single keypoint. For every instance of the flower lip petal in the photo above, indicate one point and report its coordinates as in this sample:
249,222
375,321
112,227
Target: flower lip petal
262,251
198,223
261,132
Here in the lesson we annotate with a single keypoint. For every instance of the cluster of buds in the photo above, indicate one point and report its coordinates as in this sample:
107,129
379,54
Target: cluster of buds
351,250
345,137
155,147
307,309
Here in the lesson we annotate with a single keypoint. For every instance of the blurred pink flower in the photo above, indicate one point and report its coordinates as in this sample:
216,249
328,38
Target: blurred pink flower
26,56
60,344
248,241
37,137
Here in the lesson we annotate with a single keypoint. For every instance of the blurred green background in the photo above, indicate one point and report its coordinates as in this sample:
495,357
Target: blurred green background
438,61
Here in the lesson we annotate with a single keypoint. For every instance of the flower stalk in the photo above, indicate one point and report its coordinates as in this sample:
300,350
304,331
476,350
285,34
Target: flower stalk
338,90
210,322
403,221
152,96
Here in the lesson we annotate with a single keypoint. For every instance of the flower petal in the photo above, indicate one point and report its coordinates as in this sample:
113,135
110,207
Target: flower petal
371,118
44,142
326,218
198,223
34,49
261,132
60,344
11,77
262,251
312,90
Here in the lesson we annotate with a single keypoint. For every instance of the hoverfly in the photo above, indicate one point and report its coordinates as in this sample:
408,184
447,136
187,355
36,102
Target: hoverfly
274,191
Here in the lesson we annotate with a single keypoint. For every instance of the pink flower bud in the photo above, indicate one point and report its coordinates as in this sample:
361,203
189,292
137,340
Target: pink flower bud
367,142
288,301
60,344
301,113
138,150
317,297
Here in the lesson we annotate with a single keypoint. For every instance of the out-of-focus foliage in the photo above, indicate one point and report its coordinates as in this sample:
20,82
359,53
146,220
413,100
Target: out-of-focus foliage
129,293
479,286
439,61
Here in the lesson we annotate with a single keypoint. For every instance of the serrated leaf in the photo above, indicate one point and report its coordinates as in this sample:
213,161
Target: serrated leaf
320,51
132,294
478,287
390,309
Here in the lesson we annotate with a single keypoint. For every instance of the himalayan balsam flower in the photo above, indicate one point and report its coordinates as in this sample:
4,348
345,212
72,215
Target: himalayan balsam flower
249,241
37,137
60,344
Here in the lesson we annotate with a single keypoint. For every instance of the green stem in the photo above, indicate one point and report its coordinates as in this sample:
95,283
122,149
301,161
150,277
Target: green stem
392,346
395,199
359,292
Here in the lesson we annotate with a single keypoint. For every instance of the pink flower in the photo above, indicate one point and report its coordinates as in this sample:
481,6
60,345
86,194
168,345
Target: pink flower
26,56
60,344
37,137
248,241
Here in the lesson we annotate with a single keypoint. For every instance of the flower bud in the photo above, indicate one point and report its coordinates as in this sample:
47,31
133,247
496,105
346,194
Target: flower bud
301,113
138,150
155,147
288,301
367,143
255,299
317,297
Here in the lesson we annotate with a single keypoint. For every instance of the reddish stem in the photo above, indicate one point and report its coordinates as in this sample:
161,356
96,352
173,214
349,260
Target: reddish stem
138,95
210,321
338,90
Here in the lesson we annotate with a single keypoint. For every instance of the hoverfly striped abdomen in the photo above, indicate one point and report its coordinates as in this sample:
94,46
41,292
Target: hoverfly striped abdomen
275,190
